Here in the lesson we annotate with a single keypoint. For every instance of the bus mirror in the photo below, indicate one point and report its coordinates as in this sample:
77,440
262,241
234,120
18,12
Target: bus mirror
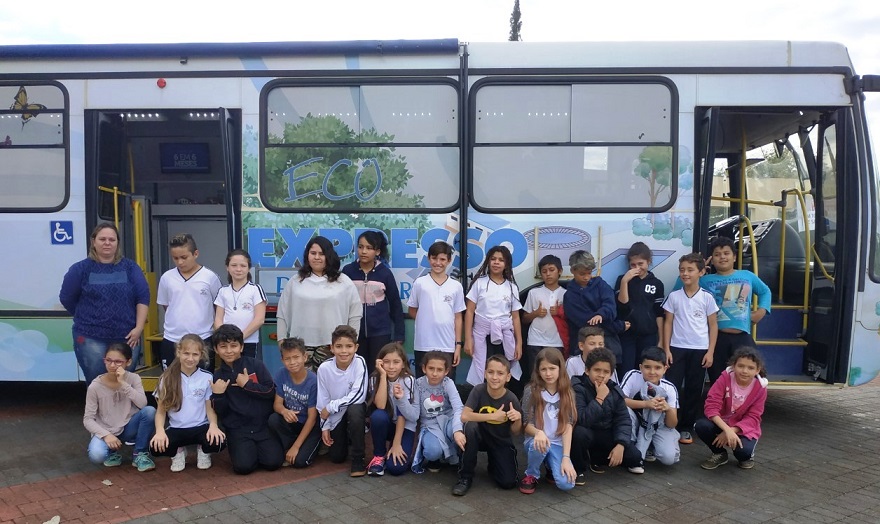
863,84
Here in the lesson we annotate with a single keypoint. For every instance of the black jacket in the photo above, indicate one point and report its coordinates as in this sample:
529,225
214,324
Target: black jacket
644,306
610,415
248,407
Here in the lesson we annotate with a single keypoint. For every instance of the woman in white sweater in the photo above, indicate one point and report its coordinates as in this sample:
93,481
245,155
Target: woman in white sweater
317,300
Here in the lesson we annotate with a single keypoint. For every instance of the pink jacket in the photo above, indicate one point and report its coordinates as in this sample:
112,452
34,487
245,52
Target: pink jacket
748,417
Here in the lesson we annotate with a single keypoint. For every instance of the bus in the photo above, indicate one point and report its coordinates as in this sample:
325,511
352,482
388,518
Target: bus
546,148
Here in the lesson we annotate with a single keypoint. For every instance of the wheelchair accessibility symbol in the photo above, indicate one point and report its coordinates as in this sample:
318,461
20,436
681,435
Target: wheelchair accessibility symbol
61,231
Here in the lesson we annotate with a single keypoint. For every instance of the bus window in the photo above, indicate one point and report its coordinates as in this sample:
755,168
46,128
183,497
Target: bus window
767,178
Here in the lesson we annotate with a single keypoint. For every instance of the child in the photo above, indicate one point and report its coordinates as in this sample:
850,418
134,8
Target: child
491,321
491,415
187,292
442,299
438,407
639,299
733,410
342,393
733,290
243,392
392,379
653,404
295,420
548,418
604,429
184,402
589,338
689,334
382,320
117,411
242,302
543,311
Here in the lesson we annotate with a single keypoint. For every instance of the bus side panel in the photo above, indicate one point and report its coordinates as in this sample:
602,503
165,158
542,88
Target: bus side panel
37,349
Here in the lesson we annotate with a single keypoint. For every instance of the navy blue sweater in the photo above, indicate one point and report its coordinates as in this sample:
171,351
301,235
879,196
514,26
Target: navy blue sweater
248,407
583,303
383,312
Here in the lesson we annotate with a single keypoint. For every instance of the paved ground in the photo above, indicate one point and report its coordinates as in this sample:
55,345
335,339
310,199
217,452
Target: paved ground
819,461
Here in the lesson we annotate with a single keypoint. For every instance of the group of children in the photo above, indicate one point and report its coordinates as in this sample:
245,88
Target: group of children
574,413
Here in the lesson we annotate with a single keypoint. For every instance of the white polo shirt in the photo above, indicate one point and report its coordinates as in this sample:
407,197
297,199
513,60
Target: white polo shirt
196,390
438,304
543,331
238,306
189,303
690,323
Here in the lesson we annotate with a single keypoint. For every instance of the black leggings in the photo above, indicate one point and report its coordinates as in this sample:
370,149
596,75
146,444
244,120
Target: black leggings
178,437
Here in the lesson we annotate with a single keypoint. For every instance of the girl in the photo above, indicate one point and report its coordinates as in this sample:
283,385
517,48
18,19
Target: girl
184,397
117,411
187,292
322,298
733,410
549,414
382,319
242,302
437,405
392,378
491,320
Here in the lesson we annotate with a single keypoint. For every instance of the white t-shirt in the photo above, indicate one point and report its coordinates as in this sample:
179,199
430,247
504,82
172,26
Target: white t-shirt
196,390
551,416
494,300
690,324
238,306
438,304
189,302
633,382
543,331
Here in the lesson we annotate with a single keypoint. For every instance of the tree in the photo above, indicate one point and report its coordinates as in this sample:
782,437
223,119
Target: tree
515,23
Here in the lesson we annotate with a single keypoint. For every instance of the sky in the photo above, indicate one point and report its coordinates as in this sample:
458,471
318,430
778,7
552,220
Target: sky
854,23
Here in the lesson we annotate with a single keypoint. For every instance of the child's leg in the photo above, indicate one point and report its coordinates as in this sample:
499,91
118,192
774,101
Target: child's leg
166,353
747,451
581,438
418,356
369,347
308,450
249,350
471,449
632,457
692,391
432,450
206,445
502,463
242,451
269,452
356,415
601,446
177,437
666,447
140,429
629,350
382,430
98,450
535,458
554,461
406,442
530,354
707,431
285,432
338,451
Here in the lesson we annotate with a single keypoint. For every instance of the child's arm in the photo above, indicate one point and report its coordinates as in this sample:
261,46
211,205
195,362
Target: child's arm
412,311
288,415
623,285
608,307
470,311
311,419
392,294
713,337
514,416
456,354
517,334
567,466
469,415
133,388
356,394
219,316
258,320
667,336
214,435
380,383
264,387
765,297
409,408
397,454
159,442
533,308
671,419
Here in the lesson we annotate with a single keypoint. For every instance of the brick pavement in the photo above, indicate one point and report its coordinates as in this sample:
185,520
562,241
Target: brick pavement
819,461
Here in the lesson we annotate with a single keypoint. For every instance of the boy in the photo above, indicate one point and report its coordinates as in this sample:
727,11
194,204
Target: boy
543,311
491,415
653,404
732,289
604,430
442,298
342,395
639,297
243,392
294,422
589,338
689,334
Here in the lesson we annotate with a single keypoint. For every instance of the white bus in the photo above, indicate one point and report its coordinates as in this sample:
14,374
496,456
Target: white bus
543,147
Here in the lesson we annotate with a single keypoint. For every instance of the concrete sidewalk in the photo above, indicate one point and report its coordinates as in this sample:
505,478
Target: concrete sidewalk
818,461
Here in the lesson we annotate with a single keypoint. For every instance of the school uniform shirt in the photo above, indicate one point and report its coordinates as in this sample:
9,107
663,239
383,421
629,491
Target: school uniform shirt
189,302
196,390
382,309
297,397
633,382
438,304
494,300
576,367
644,306
407,383
238,306
543,331
480,401
245,407
690,322
733,295
549,416
340,388
312,308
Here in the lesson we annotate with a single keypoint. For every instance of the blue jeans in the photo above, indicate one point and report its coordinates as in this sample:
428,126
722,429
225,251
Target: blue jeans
553,457
140,429
432,449
383,428
90,355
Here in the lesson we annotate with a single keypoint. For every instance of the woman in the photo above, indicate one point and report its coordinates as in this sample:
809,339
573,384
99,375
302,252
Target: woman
321,298
108,297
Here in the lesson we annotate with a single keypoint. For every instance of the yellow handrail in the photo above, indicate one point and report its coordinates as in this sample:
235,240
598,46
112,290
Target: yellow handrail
137,210
116,194
807,255
821,265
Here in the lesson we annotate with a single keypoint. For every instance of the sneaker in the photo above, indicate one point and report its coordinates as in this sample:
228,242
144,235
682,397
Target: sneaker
461,487
113,459
323,449
178,462
357,468
638,470
434,466
686,438
376,467
717,459
649,456
581,479
143,462
528,484
747,464
203,460
597,468
285,464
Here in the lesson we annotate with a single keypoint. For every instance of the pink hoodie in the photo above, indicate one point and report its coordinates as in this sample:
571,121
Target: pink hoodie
748,417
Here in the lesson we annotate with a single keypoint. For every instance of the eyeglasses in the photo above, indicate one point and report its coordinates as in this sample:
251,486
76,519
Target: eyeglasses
114,362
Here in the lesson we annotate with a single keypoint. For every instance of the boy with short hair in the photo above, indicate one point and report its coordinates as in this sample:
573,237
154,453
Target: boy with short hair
689,334
243,392
342,397
294,421
604,430
589,338
439,327
491,415
653,404
639,299
543,310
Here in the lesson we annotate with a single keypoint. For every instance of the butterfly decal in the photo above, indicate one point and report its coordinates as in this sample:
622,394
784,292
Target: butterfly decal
21,104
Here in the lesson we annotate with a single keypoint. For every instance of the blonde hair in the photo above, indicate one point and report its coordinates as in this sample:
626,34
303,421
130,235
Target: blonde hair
170,394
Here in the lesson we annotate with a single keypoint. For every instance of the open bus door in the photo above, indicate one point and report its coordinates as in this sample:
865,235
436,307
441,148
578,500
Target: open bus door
231,159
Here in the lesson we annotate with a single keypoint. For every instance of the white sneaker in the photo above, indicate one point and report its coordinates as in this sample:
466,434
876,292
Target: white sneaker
638,470
203,460
178,463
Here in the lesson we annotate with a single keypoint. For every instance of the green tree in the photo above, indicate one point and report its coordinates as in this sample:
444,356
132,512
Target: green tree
655,166
515,23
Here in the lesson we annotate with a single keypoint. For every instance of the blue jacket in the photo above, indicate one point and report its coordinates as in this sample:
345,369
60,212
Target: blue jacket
583,303
380,297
